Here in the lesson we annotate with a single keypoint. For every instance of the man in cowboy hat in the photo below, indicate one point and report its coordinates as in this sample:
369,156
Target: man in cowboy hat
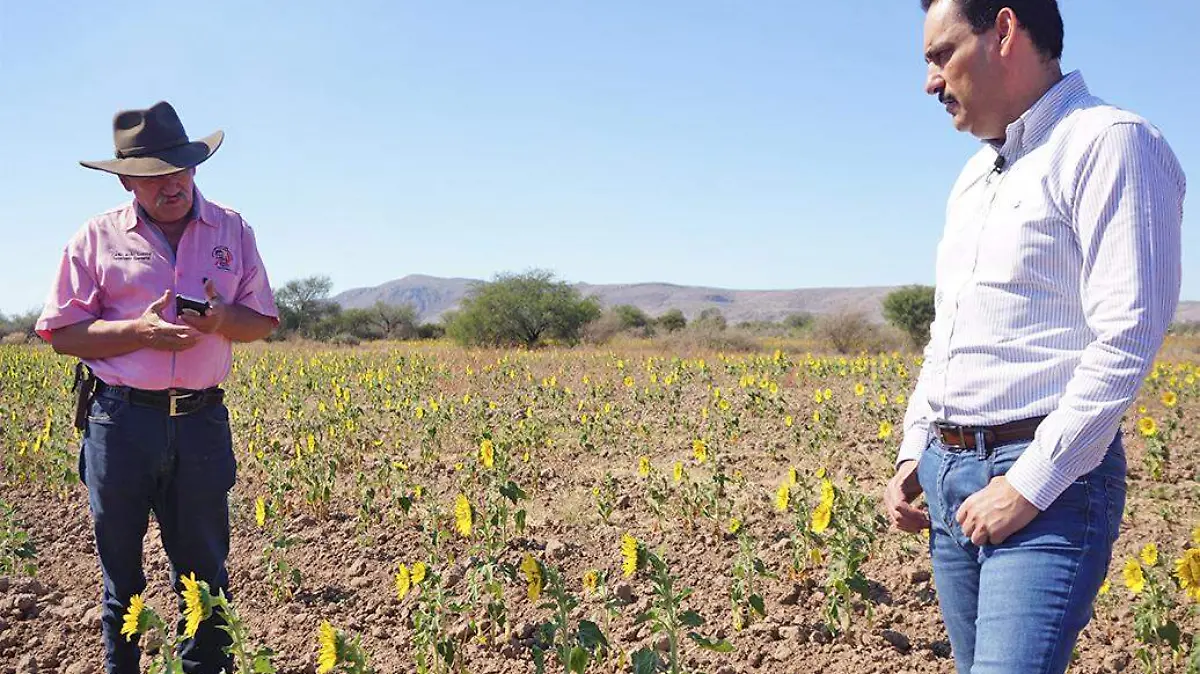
157,434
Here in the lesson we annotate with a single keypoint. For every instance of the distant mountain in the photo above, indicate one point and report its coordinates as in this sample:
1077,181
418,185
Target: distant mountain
432,296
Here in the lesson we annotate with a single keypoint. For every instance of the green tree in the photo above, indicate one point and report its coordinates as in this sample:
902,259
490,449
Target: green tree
631,316
672,321
521,310
911,309
304,303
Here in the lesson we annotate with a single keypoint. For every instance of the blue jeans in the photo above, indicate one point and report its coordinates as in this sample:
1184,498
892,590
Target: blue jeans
1018,607
136,460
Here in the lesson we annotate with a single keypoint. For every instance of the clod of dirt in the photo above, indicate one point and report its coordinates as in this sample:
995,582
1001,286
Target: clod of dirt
897,640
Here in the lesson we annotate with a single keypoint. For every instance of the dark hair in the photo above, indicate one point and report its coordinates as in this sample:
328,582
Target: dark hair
1040,17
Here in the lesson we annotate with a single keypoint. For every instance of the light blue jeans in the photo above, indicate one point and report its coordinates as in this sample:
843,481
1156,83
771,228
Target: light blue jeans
1018,607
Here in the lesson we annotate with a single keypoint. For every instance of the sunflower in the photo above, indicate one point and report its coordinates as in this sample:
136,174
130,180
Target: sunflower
1135,580
462,515
403,582
860,390
885,430
260,511
1187,570
782,496
194,604
793,476
487,453
327,641
1170,399
1150,555
1105,587
591,580
1147,427
133,617
629,554
735,525
533,576
821,516
700,450
644,466
678,471
787,421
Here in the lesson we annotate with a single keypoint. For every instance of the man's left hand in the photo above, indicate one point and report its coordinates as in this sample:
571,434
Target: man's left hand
994,513
217,312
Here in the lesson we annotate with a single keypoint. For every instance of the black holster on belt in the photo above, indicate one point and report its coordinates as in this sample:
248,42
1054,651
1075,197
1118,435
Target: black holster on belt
84,388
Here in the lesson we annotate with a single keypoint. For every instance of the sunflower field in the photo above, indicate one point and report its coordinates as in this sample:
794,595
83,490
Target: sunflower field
425,508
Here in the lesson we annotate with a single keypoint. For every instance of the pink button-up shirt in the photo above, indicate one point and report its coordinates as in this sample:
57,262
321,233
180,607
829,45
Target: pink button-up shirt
117,264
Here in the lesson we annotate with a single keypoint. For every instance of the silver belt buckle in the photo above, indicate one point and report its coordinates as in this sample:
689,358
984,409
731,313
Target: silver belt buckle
174,398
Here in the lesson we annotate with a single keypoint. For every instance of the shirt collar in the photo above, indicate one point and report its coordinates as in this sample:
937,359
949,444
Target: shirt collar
202,211
1034,125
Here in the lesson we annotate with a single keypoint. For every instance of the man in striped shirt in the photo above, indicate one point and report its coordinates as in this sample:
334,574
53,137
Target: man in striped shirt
1057,276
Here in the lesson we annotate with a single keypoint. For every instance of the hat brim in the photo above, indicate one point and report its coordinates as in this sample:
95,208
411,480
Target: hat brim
162,163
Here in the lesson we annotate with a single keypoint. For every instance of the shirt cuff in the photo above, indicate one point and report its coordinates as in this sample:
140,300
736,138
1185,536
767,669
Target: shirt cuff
1037,479
914,444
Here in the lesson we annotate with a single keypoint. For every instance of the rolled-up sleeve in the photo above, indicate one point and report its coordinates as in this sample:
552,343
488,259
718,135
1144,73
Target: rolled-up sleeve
1128,212
74,295
254,291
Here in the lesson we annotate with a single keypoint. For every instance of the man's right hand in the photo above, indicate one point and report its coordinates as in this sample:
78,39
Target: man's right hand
154,332
898,499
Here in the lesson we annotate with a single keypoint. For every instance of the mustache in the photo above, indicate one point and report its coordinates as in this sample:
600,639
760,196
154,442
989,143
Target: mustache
945,98
161,198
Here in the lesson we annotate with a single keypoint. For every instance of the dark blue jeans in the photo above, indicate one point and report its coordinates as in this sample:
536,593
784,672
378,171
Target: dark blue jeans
1019,607
136,460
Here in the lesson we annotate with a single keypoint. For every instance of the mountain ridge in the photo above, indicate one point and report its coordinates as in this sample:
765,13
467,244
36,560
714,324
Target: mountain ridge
433,296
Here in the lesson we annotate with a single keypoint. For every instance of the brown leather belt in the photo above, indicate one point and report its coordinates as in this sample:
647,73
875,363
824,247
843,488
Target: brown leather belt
954,436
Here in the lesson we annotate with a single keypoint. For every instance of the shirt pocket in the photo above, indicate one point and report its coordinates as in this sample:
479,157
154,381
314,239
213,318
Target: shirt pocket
1025,241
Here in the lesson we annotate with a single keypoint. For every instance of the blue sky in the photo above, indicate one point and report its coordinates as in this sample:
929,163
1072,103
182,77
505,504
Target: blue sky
742,145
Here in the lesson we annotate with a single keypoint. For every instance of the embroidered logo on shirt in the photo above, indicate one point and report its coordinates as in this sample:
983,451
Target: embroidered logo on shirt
139,255
224,258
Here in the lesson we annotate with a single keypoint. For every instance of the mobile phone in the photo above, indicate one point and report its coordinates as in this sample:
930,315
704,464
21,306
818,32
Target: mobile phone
184,304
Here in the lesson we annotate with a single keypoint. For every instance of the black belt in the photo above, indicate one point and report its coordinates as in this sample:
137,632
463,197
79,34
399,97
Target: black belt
176,401
954,436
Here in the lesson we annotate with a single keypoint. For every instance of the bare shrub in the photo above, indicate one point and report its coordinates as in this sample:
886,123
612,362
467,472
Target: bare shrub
852,332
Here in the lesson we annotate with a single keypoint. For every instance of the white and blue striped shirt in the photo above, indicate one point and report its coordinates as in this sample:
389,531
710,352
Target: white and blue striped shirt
1057,277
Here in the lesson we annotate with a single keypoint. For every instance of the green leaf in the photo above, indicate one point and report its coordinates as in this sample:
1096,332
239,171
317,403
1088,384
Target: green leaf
577,661
645,661
691,619
756,602
446,650
405,504
721,646
520,518
539,660
1170,634
648,615
590,636
512,492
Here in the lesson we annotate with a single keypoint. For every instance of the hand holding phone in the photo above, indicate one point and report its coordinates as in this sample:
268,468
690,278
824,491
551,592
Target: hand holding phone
188,306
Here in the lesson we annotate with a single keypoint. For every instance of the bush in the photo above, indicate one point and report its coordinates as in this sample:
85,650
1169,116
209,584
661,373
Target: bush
911,309
710,319
15,338
695,339
630,316
852,333
431,331
345,339
672,321
521,310
799,322
603,329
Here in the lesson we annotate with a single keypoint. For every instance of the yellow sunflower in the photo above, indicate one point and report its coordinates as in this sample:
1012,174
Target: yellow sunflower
1150,554
1187,570
194,607
462,515
487,453
1135,580
629,554
403,582
327,641
133,617
1148,427
782,496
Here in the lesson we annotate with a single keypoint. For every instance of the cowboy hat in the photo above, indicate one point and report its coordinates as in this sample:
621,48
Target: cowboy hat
152,142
